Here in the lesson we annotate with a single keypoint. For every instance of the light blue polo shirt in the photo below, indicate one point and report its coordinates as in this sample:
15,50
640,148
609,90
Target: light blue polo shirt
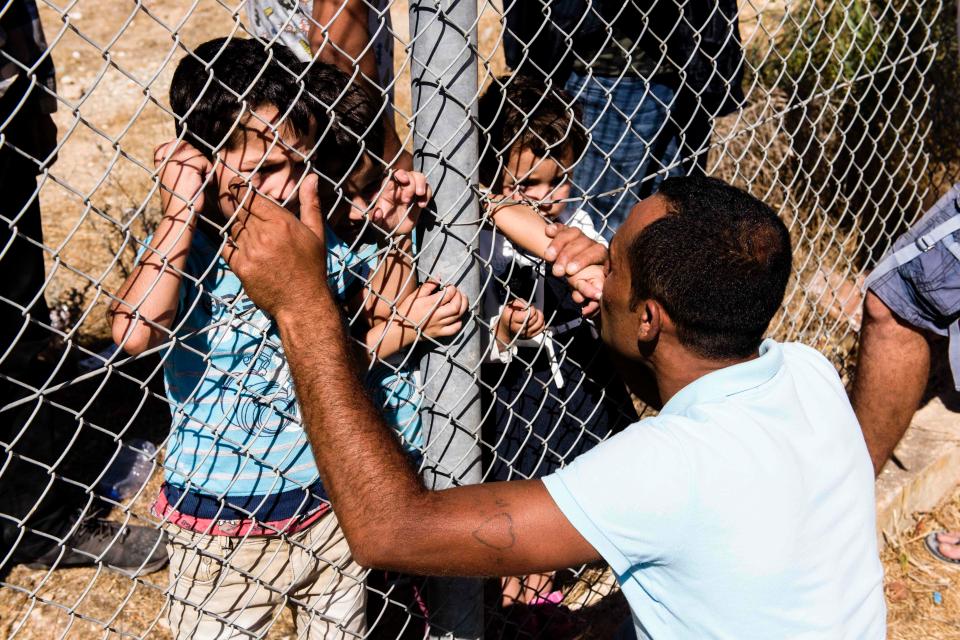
744,510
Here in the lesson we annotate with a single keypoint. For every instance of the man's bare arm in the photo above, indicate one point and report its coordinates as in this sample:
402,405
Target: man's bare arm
389,518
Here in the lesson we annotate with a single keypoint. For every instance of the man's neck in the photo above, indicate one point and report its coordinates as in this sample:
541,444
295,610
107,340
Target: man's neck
639,379
676,368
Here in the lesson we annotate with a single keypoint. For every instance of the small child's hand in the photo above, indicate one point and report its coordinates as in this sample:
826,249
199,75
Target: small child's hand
403,196
183,174
587,284
437,313
520,319
583,261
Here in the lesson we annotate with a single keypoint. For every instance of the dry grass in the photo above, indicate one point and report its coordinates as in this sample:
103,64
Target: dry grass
101,185
913,576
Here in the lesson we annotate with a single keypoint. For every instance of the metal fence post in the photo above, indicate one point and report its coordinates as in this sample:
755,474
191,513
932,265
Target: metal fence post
444,88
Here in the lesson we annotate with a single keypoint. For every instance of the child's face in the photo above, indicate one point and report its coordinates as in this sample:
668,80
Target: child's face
270,157
543,180
351,208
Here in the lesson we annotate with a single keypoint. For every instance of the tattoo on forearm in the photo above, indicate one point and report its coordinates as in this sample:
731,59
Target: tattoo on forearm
496,532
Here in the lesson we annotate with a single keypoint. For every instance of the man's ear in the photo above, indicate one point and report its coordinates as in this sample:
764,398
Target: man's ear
649,323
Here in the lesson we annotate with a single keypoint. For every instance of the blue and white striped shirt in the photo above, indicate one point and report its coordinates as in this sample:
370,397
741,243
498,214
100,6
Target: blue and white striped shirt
236,428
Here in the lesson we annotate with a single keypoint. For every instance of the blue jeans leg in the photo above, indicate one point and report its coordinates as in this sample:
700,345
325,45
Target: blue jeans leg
624,118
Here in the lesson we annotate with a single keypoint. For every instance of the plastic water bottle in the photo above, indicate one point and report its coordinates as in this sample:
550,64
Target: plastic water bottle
129,471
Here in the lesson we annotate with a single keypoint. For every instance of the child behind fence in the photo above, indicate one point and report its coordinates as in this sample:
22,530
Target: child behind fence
353,184
548,378
251,530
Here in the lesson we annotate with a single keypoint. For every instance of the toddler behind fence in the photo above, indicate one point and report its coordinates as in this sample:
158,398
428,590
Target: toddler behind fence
385,283
548,378
250,528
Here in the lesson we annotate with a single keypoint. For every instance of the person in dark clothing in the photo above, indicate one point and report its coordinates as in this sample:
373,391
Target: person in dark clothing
39,511
650,77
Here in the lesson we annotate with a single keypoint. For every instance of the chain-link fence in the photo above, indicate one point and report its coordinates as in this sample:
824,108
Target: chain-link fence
183,446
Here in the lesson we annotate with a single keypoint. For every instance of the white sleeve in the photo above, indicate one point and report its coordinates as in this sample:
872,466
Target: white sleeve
580,219
492,308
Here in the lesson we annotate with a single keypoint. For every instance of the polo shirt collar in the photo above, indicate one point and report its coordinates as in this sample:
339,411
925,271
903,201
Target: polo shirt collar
729,381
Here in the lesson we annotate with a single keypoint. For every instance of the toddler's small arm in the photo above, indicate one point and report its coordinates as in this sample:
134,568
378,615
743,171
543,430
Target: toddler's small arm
582,261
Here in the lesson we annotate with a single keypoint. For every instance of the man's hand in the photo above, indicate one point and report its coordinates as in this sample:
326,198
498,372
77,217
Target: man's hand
583,261
280,260
403,195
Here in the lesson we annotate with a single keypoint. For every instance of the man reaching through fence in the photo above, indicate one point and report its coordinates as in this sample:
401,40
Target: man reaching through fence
745,509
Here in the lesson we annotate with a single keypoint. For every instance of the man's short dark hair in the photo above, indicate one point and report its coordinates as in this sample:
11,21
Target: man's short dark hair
211,84
516,110
355,118
718,262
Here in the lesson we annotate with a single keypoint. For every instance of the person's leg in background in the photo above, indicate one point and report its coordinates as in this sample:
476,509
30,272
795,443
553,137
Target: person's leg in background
625,119
24,483
39,512
892,355
22,305
695,143
908,299
693,128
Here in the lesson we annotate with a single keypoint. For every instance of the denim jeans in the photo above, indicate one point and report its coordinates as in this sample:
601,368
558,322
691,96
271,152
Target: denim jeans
631,147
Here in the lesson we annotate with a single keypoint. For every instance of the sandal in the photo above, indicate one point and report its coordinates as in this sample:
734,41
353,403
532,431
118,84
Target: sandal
933,546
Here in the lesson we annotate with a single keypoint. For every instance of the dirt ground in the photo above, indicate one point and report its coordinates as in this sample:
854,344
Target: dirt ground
914,579
114,60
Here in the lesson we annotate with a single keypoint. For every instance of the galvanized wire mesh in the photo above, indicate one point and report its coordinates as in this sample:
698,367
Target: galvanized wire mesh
819,107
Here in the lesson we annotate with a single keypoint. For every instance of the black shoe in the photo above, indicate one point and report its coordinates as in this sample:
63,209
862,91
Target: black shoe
129,549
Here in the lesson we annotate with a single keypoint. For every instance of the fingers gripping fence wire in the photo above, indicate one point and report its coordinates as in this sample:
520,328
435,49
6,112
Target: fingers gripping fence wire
165,488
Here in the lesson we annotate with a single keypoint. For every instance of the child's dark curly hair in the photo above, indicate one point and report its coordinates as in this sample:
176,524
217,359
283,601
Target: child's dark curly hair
355,118
518,112
213,83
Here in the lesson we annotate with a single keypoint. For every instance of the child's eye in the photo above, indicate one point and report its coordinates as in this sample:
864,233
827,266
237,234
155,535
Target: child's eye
270,168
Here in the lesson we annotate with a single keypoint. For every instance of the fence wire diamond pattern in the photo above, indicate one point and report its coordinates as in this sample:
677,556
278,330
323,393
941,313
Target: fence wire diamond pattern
515,112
